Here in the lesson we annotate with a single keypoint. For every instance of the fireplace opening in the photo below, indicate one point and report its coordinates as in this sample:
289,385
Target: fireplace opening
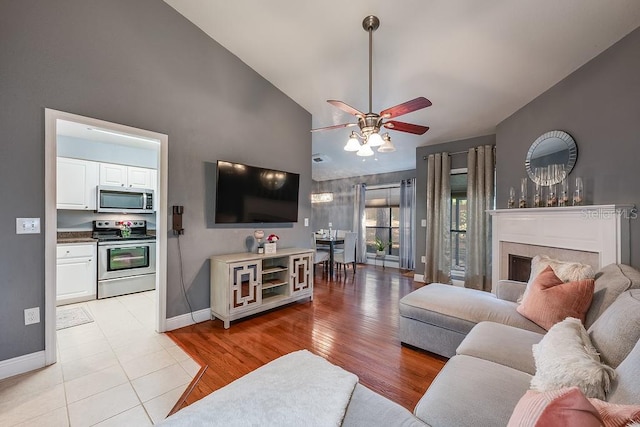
519,268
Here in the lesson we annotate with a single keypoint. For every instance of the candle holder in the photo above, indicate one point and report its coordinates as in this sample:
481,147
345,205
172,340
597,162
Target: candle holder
563,199
537,196
578,193
552,197
512,198
522,203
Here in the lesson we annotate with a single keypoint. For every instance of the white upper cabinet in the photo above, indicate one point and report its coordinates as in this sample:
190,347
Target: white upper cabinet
113,175
126,176
76,184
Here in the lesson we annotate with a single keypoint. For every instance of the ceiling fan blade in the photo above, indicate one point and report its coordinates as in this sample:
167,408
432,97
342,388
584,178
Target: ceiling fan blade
344,125
406,127
344,107
406,107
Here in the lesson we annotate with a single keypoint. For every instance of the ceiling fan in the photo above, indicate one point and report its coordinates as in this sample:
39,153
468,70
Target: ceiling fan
371,123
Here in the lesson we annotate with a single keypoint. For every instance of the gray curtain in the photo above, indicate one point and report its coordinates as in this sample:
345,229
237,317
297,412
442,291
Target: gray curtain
407,216
480,198
359,224
438,253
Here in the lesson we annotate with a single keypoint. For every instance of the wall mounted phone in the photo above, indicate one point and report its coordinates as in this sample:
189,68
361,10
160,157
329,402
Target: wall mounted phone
177,220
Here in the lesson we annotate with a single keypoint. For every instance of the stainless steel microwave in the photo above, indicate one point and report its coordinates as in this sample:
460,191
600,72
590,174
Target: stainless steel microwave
122,200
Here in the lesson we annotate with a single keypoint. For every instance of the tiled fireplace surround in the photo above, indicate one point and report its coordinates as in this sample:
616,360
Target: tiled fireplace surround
596,235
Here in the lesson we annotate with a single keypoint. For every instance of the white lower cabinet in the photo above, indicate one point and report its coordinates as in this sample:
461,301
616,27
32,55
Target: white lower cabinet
245,284
77,272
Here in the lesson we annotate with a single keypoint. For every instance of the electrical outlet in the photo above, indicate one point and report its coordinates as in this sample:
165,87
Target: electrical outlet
423,259
31,315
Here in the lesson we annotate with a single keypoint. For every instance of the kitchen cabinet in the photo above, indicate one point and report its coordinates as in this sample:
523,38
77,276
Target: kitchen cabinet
76,184
245,284
126,176
76,278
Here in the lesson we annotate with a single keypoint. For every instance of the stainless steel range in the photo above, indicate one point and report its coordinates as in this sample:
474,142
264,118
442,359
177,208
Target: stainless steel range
126,261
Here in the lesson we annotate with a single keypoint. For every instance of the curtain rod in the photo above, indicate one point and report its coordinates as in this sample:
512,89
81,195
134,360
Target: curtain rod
459,152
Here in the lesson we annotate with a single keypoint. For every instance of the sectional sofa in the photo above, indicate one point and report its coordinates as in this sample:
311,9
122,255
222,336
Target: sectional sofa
491,363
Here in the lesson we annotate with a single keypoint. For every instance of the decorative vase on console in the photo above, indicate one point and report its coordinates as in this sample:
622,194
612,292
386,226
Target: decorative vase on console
259,235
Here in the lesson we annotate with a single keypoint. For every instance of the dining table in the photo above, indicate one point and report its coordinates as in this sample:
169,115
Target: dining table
331,242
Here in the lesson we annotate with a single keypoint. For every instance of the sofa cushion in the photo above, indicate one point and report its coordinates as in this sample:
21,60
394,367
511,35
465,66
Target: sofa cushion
611,281
626,388
472,392
566,358
550,300
502,344
368,408
566,407
617,330
460,309
566,271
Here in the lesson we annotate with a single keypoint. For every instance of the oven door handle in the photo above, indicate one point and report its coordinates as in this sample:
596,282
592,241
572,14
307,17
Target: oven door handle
127,258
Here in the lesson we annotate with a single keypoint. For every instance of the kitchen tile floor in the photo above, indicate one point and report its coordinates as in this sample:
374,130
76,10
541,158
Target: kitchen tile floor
115,371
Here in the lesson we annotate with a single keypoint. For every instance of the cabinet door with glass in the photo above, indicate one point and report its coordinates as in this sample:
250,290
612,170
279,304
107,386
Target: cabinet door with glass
301,267
245,285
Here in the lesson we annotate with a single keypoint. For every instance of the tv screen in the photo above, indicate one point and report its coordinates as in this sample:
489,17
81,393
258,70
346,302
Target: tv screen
248,194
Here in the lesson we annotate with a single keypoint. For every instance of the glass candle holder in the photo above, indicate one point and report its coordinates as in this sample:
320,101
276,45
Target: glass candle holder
537,196
563,196
552,197
512,198
578,193
522,202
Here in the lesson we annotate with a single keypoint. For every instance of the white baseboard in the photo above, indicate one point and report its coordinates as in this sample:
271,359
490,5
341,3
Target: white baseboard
418,278
186,320
21,364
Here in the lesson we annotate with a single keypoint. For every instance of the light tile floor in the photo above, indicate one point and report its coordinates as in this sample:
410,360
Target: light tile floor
116,371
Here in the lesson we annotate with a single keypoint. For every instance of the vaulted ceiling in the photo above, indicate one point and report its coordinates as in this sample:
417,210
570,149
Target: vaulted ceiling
477,61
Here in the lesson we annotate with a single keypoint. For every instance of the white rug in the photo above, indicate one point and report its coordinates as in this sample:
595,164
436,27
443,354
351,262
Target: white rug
68,317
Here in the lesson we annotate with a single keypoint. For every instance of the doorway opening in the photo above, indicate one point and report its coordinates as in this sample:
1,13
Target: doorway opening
93,131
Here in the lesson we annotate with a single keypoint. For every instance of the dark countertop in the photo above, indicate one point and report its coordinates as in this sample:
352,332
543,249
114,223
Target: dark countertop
76,237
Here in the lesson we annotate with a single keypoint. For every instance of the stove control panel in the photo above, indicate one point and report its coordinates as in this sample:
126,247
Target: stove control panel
119,223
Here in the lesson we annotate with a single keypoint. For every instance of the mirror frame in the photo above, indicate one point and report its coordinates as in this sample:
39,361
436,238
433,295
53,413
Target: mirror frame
558,134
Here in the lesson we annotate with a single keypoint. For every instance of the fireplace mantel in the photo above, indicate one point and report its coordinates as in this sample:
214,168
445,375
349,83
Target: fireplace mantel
599,229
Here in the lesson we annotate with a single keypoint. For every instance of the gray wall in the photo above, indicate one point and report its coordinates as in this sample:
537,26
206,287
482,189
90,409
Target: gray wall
340,211
141,64
457,161
599,106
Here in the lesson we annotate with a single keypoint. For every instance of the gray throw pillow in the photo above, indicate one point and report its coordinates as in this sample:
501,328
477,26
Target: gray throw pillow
617,330
611,281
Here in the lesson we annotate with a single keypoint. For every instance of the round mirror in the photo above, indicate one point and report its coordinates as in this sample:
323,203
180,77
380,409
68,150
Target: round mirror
551,157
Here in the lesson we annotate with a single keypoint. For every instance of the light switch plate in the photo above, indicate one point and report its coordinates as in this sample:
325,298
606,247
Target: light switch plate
27,225
306,222
423,223
31,315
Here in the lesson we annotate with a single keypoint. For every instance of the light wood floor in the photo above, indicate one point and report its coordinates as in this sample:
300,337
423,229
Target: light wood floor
352,322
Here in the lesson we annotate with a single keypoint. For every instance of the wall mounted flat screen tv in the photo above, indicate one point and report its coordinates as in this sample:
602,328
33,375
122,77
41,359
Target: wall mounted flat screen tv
248,194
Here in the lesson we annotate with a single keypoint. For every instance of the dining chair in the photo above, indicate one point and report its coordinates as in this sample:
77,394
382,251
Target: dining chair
319,256
348,255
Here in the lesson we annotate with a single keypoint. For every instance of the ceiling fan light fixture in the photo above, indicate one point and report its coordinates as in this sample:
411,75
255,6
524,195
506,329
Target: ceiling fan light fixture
353,144
375,140
365,151
388,146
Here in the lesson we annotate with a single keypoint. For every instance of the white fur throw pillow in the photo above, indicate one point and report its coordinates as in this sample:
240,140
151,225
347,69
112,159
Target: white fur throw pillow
565,357
565,270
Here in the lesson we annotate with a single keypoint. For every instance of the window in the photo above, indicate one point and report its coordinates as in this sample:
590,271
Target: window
458,223
382,218
383,222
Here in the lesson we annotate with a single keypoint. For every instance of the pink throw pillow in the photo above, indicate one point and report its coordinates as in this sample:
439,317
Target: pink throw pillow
614,415
550,301
566,407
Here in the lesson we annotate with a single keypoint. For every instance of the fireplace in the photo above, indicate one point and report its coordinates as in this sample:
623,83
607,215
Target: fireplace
519,267
594,235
